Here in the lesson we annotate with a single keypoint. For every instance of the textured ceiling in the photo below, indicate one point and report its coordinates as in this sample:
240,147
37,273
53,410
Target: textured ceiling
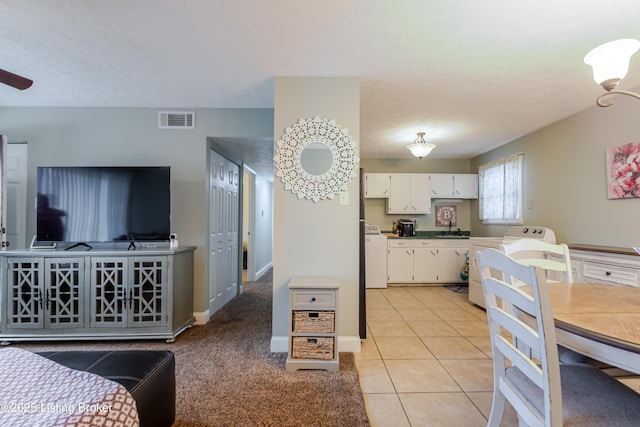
472,74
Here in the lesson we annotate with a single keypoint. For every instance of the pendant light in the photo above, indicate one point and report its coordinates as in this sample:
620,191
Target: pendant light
610,63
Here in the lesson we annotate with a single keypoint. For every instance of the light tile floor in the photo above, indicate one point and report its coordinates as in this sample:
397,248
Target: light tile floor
426,360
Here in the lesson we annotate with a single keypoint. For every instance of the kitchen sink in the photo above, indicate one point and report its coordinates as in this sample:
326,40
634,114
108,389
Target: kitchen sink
452,236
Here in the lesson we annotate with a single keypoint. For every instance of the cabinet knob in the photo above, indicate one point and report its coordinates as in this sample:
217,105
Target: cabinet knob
313,299
608,273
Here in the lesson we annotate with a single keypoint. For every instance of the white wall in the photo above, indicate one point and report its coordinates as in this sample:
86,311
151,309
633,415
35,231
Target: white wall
565,177
316,239
130,136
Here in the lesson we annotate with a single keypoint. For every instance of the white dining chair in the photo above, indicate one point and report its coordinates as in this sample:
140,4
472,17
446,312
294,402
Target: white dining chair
553,258
543,392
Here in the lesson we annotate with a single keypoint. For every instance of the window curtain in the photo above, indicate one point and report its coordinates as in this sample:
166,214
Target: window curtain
500,190
94,202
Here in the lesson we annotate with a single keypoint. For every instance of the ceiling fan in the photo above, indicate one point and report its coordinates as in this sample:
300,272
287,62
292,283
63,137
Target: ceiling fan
15,80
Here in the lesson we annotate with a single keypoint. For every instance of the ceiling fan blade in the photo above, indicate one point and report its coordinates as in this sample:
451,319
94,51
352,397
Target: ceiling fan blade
15,80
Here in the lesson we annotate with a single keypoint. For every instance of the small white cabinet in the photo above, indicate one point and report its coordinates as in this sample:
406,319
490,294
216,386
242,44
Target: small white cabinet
426,260
377,185
409,194
454,186
313,323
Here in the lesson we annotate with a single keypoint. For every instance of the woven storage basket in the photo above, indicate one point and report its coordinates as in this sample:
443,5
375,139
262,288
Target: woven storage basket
312,348
320,322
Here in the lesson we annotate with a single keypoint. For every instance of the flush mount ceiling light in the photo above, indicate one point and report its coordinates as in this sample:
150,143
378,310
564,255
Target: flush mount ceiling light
610,63
420,148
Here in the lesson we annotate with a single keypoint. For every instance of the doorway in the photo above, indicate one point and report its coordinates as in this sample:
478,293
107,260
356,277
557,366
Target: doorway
248,224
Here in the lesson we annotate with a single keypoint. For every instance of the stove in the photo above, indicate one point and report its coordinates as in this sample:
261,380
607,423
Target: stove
477,244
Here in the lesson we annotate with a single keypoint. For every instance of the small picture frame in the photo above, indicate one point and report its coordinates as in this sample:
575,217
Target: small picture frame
446,216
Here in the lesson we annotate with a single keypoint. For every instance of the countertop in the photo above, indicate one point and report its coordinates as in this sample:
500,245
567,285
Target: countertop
431,234
605,249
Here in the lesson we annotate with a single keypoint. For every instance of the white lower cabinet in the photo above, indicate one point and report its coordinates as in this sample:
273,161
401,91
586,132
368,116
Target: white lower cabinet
426,260
400,261
450,261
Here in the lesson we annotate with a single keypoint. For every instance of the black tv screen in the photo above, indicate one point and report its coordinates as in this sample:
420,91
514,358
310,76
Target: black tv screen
103,204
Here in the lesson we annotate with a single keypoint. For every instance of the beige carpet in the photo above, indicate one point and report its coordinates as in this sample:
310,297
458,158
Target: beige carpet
227,376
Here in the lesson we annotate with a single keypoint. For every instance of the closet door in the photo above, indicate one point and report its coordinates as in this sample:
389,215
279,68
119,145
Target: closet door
224,211
217,237
232,228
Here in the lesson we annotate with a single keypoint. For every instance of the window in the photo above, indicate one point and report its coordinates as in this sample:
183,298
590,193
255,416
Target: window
501,190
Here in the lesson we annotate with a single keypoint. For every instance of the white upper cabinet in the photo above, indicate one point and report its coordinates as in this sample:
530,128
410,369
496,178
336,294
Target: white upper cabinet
377,185
465,186
409,194
454,186
441,185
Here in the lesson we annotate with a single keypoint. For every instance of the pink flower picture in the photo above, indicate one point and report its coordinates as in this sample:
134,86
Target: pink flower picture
623,171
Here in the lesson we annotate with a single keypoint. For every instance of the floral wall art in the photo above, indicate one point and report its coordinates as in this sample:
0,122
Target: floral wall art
623,171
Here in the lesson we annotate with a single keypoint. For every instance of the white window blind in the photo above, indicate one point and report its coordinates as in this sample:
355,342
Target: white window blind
500,191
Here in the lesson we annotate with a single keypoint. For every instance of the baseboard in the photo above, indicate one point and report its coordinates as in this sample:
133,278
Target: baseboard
263,270
347,344
202,317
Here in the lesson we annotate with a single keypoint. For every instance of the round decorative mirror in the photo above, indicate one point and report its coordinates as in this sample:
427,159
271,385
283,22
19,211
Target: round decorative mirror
316,158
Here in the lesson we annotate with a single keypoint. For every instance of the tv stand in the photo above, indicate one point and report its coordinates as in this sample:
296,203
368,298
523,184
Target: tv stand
97,295
132,246
77,245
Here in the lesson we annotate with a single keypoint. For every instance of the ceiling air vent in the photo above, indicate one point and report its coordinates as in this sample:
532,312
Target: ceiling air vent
176,120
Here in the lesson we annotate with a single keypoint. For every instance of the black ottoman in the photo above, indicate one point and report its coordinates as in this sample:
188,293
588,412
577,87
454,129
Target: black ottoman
148,375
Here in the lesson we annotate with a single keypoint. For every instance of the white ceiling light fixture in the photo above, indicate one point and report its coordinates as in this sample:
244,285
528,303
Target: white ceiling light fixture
610,63
420,148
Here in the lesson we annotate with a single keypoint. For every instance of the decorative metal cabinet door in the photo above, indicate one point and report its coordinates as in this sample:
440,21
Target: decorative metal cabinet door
25,296
148,291
109,296
64,292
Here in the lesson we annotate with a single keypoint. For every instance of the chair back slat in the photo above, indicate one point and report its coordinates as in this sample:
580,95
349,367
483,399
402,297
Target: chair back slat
553,258
519,321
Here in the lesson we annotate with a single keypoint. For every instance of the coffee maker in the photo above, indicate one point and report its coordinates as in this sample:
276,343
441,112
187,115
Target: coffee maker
407,227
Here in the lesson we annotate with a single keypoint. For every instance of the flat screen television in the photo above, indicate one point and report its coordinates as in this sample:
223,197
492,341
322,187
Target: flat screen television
103,204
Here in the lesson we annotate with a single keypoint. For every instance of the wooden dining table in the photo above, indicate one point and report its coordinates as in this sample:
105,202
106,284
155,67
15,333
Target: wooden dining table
599,321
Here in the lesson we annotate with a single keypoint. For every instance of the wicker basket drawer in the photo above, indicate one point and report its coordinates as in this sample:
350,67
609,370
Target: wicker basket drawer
312,348
320,322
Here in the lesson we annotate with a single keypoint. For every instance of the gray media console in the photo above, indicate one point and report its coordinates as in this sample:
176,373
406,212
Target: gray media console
97,294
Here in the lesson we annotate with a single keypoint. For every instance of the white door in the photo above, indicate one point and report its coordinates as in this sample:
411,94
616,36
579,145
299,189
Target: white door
16,220
224,210
217,239
232,229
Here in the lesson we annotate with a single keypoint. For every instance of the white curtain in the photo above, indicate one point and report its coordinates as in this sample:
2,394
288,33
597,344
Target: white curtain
500,191
94,201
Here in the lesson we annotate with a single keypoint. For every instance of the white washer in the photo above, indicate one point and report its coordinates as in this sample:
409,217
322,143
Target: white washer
476,244
375,261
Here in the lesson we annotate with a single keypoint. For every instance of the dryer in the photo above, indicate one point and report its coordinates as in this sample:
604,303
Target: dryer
375,261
